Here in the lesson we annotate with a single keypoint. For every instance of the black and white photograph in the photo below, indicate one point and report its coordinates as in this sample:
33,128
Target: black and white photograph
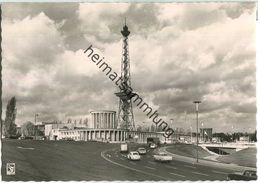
128,91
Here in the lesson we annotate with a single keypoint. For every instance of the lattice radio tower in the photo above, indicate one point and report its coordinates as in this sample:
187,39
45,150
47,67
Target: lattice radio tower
125,111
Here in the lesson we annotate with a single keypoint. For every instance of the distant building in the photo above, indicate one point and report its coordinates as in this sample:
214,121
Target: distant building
244,139
206,134
52,128
185,138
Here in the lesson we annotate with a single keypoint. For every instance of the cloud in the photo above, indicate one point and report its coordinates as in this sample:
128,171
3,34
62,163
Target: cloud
178,53
190,16
96,19
31,42
29,46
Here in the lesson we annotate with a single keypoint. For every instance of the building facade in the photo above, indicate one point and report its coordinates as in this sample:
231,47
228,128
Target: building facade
103,119
244,139
104,135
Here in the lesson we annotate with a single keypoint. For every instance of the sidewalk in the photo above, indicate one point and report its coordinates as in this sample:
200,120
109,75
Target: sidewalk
211,163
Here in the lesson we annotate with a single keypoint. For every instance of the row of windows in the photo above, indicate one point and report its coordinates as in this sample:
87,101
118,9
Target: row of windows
68,133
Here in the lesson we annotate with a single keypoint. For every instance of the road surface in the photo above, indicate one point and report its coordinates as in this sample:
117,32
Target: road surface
175,170
69,160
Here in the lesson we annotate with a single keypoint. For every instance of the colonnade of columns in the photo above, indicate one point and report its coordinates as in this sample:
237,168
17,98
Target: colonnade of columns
104,119
103,135
114,135
111,135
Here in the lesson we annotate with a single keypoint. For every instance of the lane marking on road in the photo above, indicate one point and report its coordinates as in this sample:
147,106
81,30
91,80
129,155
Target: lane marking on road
198,173
130,168
29,148
150,168
152,162
176,174
171,167
132,163
189,166
214,171
108,155
122,159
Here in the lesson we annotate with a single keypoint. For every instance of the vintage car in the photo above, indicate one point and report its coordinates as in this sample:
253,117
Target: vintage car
153,145
133,155
141,150
246,175
162,157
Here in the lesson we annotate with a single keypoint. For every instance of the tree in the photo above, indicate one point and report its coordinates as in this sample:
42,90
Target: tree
9,123
253,136
223,137
28,129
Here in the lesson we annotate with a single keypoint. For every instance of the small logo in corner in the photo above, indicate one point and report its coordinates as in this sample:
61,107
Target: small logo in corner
10,169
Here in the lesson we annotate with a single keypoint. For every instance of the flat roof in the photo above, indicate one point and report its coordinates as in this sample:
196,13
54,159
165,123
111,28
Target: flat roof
103,111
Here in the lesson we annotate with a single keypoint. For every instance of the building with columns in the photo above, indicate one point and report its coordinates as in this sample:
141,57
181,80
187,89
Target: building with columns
103,119
102,127
105,135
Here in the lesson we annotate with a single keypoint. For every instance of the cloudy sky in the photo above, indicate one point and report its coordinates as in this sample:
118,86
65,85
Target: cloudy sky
178,53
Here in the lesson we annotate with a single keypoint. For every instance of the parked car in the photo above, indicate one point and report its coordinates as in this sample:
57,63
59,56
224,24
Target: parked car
133,155
246,175
141,150
162,157
153,140
153,146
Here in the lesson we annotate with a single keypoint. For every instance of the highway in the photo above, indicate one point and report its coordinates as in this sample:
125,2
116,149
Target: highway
175,170
71,160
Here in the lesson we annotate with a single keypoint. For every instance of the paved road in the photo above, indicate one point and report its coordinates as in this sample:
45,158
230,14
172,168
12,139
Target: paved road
175,170
63,160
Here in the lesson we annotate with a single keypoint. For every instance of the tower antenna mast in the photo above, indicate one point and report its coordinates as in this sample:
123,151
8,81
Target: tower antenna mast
125,110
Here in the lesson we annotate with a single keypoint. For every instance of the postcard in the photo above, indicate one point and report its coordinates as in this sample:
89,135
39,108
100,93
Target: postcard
136,91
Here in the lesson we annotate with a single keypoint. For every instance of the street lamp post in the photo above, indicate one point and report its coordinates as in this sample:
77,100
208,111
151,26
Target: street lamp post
156,129
36,126
197,110
203,132
176,133
171,122
191,134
